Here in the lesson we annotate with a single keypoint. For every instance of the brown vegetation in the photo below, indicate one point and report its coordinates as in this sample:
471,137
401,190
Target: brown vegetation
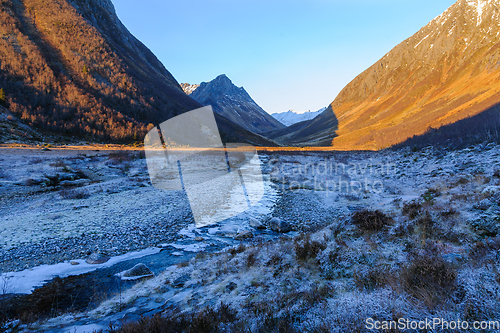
61,69
371,220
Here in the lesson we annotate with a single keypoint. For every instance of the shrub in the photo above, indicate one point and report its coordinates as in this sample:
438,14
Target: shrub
426,225
428,277
483,248
275,260
3,98
370,278
430,195
449,212
239,249
251,259
412,209
207,320
58,164
369,220
119,157
308,249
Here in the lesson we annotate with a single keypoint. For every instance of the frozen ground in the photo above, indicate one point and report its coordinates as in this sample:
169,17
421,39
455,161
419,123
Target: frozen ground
312,193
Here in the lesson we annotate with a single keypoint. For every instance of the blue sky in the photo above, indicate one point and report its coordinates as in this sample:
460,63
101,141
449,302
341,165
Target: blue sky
288,54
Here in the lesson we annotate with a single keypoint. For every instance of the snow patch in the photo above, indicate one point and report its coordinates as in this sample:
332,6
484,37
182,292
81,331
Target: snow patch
24,282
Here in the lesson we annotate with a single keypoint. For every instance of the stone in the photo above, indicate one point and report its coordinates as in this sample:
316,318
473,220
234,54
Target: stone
97,259
245,234
159,300
198,238
254,223
138,271
74,263
73,183
453,258
278,225
180,281
231,286
491,190
483,204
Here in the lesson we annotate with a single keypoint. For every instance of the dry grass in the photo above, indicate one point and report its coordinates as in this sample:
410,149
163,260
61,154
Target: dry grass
368,220
428,277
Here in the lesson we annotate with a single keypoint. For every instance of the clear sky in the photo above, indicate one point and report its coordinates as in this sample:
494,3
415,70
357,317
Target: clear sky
287,54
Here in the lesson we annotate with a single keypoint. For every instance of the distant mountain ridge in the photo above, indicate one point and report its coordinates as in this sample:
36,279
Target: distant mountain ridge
291,117
233,103
447,71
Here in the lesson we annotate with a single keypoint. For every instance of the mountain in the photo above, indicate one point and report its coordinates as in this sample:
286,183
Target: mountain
189,88
446,72
292,117
71,67
234,104
315,132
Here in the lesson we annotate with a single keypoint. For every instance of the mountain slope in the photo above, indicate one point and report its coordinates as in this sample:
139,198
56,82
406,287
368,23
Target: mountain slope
72,67
189,88
291,117
233,103
447,71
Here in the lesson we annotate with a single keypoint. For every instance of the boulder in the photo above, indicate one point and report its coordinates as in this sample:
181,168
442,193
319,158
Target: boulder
483,204
181,281
254,223
137,272
97,259
231,286
453,258
277,225
245,234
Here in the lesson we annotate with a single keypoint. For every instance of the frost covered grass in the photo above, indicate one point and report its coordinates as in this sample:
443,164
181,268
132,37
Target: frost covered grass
425,246
332,280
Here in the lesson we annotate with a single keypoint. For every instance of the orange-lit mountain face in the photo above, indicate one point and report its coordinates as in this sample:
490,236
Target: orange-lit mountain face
447,71
70,66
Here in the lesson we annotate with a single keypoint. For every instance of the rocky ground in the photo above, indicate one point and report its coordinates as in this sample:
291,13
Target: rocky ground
60,205
388,235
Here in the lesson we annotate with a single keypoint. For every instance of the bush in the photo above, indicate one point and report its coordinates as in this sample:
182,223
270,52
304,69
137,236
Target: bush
369,220
412,209
3,98
251,259
426,225
207,320
370,278
428,277
484,248
239,249
308,249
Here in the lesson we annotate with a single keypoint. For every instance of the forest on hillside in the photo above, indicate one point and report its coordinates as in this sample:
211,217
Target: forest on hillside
74,69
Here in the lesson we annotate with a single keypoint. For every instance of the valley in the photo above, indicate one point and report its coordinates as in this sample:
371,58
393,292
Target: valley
131,202
309,193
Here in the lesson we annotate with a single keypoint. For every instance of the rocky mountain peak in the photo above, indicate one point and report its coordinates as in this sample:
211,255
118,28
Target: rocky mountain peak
233,103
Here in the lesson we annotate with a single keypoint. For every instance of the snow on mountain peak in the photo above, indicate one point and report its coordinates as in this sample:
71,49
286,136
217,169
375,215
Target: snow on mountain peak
291,117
